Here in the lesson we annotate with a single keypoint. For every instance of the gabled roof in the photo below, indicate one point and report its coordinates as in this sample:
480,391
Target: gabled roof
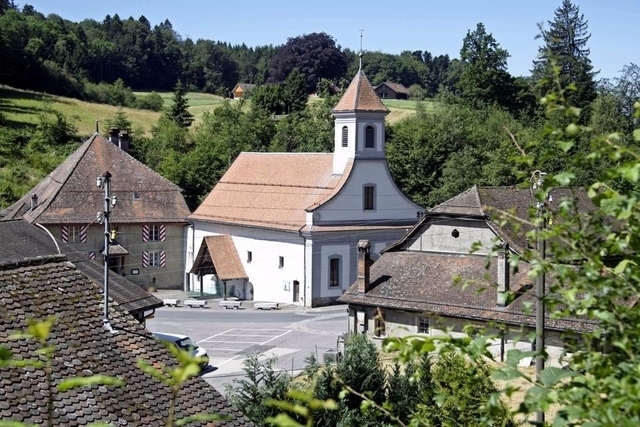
272,190
69,194
490,202
37,289
360,96
218,255
396,87
426,282
246,87
22,240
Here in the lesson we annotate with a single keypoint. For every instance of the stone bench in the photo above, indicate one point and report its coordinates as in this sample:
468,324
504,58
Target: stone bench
169,302
267,305
230,304
196,302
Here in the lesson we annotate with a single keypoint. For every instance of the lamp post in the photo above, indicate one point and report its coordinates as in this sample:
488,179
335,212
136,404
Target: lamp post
104,183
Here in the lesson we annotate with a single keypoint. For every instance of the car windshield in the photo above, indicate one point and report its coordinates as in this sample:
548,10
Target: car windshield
185,343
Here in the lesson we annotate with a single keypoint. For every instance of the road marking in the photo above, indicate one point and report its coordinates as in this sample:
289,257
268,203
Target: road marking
281,335
228,360
213,336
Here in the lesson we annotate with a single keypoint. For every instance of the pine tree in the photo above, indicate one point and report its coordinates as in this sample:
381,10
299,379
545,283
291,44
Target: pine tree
566,48
179,111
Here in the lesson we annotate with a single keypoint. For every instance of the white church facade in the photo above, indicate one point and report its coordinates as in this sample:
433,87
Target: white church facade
284,227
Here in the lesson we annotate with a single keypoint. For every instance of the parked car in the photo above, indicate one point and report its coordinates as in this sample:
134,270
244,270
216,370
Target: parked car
185,343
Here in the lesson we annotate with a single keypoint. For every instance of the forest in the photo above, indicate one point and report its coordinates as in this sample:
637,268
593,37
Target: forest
482,118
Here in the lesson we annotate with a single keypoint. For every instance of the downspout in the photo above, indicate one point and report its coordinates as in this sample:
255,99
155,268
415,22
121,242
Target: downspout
304,264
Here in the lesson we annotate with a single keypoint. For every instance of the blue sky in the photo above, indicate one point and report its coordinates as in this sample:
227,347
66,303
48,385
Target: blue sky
436,26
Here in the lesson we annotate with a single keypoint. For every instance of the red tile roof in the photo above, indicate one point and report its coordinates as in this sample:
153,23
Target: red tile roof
218,254
360,96
272,190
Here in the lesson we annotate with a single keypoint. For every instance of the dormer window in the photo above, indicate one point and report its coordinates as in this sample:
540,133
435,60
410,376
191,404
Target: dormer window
345,136
369,137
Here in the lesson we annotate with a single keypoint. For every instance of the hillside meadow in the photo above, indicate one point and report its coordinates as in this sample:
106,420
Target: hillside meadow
21,108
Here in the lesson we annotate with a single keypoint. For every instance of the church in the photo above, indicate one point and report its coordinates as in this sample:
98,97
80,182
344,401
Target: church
284,227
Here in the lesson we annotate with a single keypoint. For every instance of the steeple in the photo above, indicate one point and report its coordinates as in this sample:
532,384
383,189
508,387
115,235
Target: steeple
359,124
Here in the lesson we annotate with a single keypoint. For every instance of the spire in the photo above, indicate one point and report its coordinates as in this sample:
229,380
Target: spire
360,96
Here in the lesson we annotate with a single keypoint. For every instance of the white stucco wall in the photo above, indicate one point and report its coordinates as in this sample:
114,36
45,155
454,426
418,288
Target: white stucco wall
390,203
437,237
268,281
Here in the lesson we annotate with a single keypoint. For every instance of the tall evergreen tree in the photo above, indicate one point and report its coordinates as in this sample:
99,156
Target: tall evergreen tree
179,111
566,48
484,77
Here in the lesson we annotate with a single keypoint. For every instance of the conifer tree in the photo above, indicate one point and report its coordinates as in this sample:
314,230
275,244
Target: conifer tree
566,47
179,111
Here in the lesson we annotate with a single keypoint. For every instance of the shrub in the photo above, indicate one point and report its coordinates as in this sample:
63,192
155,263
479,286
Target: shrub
152,102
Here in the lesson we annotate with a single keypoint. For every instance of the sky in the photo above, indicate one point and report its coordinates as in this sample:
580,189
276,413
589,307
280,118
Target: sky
390,27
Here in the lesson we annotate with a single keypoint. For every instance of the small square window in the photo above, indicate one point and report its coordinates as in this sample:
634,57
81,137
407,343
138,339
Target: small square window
423,325
281,262
154,258
249,257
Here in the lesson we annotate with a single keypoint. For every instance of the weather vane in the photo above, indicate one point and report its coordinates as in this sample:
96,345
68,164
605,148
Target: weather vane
360,55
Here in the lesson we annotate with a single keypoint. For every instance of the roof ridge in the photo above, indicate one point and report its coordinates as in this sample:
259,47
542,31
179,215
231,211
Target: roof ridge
38,260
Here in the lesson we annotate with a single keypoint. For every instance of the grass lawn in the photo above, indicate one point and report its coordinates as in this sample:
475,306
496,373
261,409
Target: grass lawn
21,108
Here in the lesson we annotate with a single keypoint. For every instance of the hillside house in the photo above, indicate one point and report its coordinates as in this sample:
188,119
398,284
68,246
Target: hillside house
42,287
293,220
390,90
242,90
149,219
415,287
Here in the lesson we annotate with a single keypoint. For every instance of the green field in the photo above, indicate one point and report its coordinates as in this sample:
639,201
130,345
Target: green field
21,108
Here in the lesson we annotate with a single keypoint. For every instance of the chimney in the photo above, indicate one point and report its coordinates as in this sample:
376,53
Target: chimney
124,141
34,201
113,135
364,263
503,275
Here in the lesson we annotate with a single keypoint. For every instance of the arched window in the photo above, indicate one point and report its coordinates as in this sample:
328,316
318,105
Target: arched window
345,136
369,137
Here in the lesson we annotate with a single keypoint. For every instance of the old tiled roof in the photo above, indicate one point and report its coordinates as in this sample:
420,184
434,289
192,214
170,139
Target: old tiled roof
490,202
37,289
21,240
271,190
69,194
426,282
396,87
218,254
360,96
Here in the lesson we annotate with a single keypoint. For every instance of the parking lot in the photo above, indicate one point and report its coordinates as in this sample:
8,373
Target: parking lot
230,336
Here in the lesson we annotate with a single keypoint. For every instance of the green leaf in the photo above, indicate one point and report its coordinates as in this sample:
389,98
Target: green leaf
636,134
89,381
515,356
552,375
283,420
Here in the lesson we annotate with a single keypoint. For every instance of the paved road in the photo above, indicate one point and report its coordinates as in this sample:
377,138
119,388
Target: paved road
229,336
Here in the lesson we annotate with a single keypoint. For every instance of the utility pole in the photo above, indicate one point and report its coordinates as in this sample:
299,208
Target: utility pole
104,183
538,181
